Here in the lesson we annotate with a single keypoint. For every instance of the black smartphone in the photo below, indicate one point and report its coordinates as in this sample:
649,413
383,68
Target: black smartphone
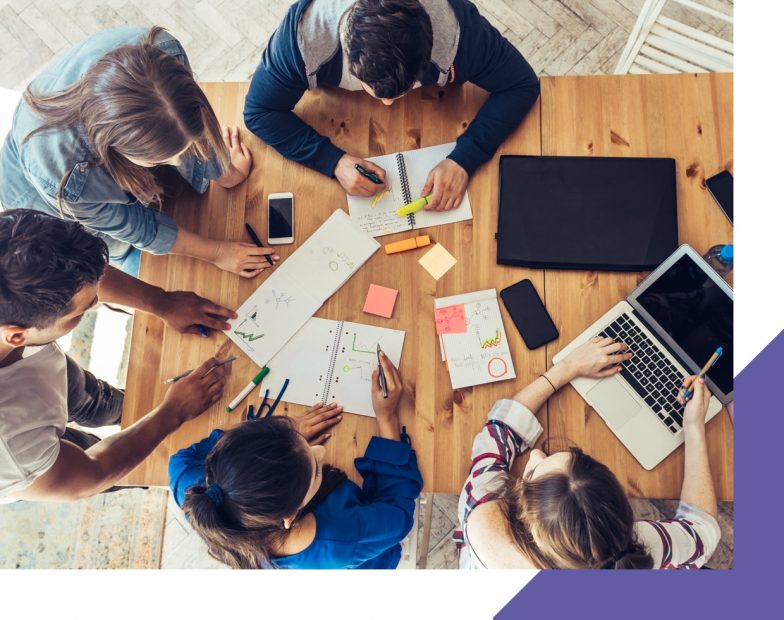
529,314
720,187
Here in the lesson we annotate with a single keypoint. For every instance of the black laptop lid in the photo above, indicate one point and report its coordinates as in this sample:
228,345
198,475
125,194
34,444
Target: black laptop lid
598,213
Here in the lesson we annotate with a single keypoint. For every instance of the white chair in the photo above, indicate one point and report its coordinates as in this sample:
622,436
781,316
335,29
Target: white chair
659,44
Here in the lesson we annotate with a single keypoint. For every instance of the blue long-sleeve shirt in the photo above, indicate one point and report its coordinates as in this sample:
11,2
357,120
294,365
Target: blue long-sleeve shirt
355,527
484,57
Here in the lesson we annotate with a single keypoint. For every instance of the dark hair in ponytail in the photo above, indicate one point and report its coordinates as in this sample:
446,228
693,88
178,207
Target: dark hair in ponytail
256,475
579,518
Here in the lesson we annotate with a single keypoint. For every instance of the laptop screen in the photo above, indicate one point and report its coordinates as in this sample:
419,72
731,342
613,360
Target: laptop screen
697,314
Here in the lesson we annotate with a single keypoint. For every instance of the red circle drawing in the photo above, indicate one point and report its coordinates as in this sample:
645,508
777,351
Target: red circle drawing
490,365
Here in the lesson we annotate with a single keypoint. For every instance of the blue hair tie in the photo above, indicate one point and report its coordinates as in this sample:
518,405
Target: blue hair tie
215,493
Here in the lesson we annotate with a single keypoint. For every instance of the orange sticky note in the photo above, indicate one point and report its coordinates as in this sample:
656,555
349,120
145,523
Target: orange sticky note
451,320
380,301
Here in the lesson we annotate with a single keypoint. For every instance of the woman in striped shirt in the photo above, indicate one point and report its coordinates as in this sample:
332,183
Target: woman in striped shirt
568,510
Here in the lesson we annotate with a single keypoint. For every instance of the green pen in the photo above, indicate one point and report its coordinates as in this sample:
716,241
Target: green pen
247,389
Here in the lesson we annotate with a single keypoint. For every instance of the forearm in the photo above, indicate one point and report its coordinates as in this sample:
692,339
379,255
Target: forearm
195,246
698,489
118,454
537,393
118,287
78,474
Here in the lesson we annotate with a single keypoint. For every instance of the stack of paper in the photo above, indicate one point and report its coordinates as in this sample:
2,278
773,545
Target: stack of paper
473,340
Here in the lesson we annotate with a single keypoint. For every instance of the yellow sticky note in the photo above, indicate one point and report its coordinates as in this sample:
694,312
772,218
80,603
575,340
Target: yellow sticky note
438,261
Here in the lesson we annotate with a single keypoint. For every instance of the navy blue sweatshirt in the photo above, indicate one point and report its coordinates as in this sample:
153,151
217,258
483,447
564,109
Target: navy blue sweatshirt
484,58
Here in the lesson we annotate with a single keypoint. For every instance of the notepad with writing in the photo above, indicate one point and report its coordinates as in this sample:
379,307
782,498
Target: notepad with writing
407,173
298,287
473,338
332,361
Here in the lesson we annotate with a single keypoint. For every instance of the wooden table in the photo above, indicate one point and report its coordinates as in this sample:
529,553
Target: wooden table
684,116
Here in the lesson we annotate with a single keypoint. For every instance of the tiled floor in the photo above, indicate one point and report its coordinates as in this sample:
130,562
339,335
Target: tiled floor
224,38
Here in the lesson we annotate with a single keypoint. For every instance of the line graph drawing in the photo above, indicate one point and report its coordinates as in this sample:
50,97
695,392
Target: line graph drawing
488,343
363,348
249,330
279,298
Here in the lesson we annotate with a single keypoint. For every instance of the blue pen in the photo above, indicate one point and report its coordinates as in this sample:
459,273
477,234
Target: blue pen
709,364
203,330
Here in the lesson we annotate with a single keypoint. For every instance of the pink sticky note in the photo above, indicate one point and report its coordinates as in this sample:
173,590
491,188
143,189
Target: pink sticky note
380,301
451,320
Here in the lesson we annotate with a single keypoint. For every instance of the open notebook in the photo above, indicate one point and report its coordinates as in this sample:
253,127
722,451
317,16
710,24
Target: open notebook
406,176
299,286
332,361
473,339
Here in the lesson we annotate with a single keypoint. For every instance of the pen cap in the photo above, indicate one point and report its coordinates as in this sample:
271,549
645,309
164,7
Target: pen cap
258,378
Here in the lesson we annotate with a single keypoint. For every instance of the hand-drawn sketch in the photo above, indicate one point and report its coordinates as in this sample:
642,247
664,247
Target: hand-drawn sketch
279,298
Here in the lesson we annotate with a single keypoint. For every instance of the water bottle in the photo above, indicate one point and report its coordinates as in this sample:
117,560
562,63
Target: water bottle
720,258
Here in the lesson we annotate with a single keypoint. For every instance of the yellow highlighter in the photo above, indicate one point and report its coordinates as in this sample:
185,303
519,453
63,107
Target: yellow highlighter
413,207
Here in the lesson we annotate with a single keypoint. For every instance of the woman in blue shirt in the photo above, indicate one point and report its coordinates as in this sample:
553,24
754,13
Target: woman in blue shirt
261,497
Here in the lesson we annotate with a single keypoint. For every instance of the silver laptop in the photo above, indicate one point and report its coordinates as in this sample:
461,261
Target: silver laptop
672,322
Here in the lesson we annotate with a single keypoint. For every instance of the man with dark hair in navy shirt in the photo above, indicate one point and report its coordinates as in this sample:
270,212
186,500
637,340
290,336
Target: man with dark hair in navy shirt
388,48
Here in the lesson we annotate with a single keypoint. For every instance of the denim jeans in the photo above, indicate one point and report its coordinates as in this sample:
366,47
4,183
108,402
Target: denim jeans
91,403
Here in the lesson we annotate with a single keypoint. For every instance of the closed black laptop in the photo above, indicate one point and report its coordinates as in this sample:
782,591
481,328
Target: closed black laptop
596,213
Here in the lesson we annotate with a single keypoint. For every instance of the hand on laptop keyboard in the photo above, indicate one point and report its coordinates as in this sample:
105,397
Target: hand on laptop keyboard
651,374
598,358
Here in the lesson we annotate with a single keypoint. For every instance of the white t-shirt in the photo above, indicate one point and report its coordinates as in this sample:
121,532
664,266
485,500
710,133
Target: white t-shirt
33,415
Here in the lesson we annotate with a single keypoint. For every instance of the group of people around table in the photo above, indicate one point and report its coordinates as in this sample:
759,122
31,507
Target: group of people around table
105,133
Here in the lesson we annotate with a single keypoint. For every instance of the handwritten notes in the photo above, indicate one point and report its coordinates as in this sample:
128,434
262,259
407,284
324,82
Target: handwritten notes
299,286
437,261
451,320
479,352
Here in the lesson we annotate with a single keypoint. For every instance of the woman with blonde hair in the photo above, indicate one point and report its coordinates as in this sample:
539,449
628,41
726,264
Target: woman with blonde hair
97,129
567,510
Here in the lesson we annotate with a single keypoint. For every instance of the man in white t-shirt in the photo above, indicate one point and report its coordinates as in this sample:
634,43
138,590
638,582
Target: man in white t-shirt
52,271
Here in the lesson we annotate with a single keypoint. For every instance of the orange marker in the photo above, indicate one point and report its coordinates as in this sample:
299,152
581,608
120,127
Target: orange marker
407,244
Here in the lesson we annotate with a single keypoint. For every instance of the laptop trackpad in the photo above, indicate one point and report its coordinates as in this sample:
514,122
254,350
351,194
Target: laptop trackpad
616,405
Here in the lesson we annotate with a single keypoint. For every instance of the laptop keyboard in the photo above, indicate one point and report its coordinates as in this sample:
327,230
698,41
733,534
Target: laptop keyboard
649,372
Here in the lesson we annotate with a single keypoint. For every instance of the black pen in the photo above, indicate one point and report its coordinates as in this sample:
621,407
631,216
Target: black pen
368,175
255,238
381,372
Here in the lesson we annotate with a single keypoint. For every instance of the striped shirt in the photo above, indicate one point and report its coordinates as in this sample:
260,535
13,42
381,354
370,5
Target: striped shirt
686,541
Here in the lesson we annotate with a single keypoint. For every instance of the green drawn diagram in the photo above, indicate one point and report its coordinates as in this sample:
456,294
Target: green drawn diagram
363,347
249,330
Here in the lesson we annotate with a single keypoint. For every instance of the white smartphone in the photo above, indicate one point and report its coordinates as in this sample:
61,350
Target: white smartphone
280,218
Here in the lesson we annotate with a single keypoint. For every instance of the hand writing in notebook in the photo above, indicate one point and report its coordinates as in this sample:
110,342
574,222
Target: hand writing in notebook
353,181
447,182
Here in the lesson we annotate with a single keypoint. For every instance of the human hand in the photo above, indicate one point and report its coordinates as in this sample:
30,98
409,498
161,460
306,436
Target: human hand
355,183
244,259
192,395
314,423
447,182
697,408
386,408
241,158
184,310
598,358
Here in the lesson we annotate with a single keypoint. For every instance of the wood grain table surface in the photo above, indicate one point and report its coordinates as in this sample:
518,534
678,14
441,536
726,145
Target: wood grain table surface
687,117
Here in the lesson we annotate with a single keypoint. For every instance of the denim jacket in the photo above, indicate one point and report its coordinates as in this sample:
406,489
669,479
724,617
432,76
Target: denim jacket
30,172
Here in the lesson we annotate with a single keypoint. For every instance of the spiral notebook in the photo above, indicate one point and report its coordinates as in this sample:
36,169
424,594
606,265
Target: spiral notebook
332,361
407,173
298,287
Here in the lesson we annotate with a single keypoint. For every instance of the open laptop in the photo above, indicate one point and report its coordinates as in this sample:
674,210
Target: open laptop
672,322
